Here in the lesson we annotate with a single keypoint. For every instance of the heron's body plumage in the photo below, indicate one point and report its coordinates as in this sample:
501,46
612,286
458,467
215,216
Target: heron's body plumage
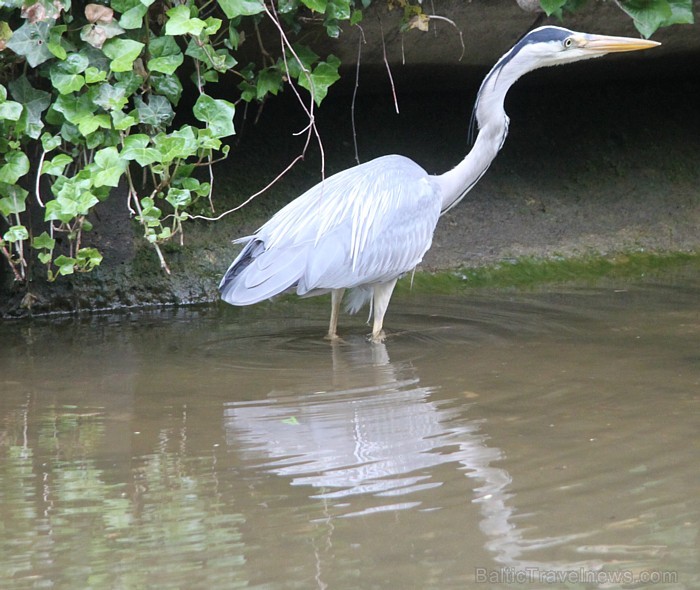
365,225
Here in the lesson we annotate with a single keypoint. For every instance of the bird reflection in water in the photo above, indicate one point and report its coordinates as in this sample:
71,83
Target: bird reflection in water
379,434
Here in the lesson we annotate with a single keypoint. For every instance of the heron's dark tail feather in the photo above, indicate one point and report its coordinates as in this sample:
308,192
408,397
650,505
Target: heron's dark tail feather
258,274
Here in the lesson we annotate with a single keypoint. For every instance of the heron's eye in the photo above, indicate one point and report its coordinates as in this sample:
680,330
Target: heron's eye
568,42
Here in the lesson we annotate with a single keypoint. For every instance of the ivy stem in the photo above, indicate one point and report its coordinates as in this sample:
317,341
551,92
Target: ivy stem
13,265
133,197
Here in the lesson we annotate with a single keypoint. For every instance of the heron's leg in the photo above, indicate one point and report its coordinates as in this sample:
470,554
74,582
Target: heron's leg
336,298
382,295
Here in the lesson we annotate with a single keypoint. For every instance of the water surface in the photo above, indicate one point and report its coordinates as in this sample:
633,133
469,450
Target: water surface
495,440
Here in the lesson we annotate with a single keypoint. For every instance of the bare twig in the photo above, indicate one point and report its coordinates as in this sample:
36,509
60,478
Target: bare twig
388,68
271,12
450,21
254,196
13,264
134,198
354,92
211,183
37,183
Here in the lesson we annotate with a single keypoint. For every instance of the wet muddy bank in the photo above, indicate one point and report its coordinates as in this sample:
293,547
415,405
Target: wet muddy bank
592,168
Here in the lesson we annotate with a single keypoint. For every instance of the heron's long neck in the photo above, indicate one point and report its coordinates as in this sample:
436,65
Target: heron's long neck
493,128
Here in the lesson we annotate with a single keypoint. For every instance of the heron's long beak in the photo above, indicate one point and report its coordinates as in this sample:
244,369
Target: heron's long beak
608,44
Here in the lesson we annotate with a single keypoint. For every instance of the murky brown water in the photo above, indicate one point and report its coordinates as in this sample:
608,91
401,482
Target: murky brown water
541,440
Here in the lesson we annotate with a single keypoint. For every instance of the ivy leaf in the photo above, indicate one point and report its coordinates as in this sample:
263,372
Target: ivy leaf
65,264
178,197
55,43
649,15
66,75
123,53
56,165
122,121
16,233
87,259
136,147
305,55
43,241
325,74
216,113
110,167
133,17
31,41
10,110
206,140
166,56
316,5
213,25
14,201
157,112
88,125
5,34
98,13
73,108
110,98
338,9
235,8
94,75
171,148
73,197
35,103
168,86
551,7
180,22
187,134
15,167
269,81
50,142
96,34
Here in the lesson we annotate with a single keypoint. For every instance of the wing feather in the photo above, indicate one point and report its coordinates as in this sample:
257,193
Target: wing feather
364,225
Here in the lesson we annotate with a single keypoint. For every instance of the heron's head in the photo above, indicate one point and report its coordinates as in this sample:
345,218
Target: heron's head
542,47
549,46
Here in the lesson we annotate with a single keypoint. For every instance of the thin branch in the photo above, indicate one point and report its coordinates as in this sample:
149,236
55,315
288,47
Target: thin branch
13,266
450,21
388,68
310,110
309,130
211,183
37,183
354,92
134,198
251,197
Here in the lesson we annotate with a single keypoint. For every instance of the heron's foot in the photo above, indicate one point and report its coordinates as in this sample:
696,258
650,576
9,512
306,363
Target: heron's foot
377,337
333,337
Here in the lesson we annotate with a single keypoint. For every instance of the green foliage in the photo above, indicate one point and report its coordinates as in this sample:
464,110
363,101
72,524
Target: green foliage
93,89
648,15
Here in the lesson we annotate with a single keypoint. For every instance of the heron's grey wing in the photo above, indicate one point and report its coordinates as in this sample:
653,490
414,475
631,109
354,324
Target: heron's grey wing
380,231
361,225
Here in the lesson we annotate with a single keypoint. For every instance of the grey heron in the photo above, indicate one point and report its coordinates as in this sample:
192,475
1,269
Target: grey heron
363,228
